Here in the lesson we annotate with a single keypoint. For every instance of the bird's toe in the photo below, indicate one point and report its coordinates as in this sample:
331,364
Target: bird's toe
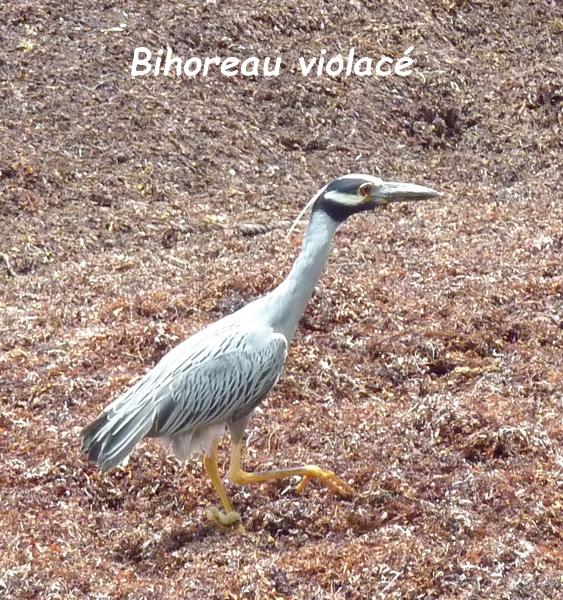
225,520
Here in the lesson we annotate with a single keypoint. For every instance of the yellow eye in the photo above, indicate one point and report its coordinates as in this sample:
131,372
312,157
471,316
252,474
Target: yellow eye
365,190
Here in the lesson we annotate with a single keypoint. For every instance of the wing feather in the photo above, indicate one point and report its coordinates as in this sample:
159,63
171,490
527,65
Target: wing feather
223,385
217,376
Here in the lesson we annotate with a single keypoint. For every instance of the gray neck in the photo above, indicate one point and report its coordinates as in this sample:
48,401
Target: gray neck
287,302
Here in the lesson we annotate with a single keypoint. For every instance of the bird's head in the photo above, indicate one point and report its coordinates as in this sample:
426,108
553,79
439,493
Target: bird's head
354,193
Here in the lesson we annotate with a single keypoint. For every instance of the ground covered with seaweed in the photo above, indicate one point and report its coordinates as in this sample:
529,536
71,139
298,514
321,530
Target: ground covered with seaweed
427,370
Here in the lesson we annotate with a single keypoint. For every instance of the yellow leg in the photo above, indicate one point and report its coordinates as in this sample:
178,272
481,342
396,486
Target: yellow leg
229,517
308,472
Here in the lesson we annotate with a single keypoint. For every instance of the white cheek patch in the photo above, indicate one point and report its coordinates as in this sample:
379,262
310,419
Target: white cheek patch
345,199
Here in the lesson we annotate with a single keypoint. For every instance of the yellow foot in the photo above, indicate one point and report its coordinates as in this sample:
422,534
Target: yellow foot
225,520
327,478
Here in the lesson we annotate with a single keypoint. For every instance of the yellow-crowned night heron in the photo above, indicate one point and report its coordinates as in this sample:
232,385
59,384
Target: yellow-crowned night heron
217,377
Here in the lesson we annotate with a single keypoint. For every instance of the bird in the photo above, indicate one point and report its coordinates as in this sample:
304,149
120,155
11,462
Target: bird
213,381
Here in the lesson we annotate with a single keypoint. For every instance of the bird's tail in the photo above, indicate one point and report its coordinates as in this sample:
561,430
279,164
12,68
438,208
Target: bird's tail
112,436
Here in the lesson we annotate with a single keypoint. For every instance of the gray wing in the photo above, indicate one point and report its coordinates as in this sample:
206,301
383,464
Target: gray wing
223,383
217,376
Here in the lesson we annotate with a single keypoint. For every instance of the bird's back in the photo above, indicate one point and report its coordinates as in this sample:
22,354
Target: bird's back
214,377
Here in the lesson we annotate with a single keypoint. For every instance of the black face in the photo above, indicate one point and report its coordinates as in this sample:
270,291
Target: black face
345,197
